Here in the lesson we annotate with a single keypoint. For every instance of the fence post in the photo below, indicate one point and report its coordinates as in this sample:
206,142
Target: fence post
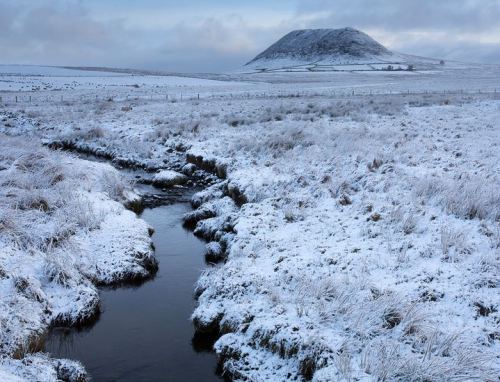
16,99
198,95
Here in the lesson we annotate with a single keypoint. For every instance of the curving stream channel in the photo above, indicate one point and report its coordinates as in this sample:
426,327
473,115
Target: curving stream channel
144,332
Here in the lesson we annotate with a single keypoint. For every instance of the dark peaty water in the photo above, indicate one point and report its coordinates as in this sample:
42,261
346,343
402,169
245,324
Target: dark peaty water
144,333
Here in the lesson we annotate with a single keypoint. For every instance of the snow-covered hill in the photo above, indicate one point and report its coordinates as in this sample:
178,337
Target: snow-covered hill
324,44
345,49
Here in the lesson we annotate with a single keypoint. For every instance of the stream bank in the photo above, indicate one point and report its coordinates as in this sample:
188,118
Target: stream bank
144,332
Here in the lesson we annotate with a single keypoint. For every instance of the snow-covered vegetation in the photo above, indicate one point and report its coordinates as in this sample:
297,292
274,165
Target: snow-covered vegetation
63,230
374,257
353,237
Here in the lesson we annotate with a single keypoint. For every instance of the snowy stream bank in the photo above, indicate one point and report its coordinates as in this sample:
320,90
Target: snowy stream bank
144,333
136,327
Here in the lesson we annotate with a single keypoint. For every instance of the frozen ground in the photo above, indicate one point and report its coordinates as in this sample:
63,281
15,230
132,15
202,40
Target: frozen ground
358,237
63,230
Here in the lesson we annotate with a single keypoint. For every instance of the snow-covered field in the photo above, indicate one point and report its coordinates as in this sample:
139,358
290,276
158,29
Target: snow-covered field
358,237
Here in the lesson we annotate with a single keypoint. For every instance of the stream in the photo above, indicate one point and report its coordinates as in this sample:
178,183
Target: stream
144,332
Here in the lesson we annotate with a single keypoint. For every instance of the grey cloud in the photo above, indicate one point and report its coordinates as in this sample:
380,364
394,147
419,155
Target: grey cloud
451,29
79,32
459,51
216,44
66,25
57,33
8,13
406,15
65,33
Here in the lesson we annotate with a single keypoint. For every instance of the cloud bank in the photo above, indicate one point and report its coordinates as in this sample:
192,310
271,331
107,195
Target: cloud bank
201,36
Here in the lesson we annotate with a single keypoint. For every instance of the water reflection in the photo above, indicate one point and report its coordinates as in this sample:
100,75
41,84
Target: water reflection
144,333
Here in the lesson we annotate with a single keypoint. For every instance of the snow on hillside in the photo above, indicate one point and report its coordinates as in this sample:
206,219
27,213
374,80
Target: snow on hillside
324,44
345,49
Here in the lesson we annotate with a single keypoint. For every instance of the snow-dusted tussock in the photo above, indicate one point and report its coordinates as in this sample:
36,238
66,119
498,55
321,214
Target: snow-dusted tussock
40,368
213,219
63,228
213,192
467,196
373,257
167,178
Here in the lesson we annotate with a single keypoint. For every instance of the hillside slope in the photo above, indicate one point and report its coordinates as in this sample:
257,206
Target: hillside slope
324,44
344,49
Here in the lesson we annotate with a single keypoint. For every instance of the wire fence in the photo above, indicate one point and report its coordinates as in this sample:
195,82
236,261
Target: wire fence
34,98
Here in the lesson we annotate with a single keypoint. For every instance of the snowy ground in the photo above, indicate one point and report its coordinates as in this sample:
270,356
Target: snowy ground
375,257
359,235
63,230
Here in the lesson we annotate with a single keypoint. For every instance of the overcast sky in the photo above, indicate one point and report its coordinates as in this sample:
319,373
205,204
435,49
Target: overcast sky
219,35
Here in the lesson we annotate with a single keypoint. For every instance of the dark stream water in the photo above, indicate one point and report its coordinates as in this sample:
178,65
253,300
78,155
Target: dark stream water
144,332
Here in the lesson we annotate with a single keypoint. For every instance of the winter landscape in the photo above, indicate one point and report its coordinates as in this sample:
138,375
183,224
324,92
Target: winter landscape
329,211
